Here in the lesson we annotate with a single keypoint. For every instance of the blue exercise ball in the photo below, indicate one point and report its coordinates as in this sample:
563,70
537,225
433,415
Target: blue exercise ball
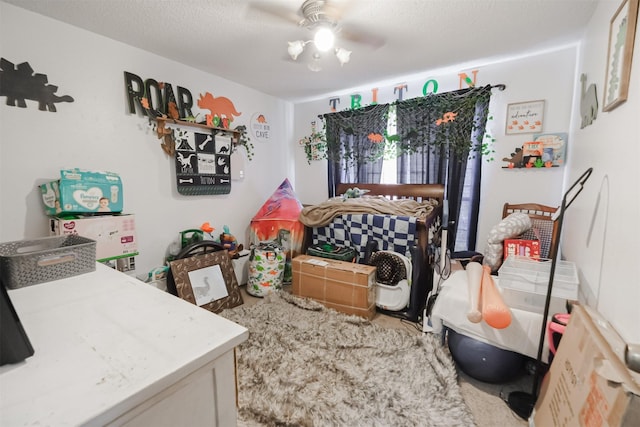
483,361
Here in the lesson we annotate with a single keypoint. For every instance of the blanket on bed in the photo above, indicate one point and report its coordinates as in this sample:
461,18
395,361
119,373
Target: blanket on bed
323,213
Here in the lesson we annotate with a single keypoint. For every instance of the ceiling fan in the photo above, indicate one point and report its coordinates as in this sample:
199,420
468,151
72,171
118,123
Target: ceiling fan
322,19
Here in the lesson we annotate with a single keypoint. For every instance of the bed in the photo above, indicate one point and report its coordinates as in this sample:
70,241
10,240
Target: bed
399,217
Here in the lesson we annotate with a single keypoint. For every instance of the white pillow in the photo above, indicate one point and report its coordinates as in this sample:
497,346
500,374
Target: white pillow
511,226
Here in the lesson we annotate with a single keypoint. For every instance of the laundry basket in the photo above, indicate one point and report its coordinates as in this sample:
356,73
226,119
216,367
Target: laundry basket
28,262
266,269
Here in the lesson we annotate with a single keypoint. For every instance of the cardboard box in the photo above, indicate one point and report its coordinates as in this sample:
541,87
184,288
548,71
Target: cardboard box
115,235
81,191
522,247
588,383
344,286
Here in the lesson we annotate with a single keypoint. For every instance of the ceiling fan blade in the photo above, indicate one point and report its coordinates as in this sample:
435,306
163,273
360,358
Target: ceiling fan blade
361,36
332,9
279,12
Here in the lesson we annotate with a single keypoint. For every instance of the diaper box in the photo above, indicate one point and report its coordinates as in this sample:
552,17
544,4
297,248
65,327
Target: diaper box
82,191
115,235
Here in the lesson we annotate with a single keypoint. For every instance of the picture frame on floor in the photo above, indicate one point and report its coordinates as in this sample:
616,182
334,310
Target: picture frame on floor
207,280
619,54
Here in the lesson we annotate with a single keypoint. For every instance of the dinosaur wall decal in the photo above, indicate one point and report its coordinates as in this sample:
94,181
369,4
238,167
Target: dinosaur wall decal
221,107
516,158
588,102
19,83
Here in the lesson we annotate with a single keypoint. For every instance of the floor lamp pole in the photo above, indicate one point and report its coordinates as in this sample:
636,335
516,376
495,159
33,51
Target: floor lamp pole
521,402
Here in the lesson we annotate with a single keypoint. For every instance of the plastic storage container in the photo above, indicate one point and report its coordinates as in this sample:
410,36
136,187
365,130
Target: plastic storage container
28,262
533,276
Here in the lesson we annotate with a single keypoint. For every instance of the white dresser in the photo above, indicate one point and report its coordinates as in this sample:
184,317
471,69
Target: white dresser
112,350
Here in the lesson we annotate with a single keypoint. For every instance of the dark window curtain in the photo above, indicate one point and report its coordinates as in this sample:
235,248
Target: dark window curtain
434,151
354,152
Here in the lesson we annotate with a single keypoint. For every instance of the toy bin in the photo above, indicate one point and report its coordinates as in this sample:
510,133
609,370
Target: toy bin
530,275
266,268
28,262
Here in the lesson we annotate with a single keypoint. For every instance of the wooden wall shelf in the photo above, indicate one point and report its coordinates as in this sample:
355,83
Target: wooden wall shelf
165,120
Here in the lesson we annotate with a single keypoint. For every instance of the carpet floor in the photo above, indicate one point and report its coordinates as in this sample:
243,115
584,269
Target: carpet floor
485,401
306,365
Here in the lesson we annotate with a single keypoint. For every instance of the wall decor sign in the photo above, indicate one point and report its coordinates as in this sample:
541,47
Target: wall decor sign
19,84
554,147
207,280
400,90
524,117
203,162
620,53
260,127
157,95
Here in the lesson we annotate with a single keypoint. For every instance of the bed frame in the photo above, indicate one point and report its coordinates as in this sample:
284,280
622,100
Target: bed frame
398,191
427,230
417,192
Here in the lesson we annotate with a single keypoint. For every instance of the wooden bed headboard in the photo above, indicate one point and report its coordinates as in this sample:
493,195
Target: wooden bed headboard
398,191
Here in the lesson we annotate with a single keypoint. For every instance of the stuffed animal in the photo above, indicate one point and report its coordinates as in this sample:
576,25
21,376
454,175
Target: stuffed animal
228,240
354,193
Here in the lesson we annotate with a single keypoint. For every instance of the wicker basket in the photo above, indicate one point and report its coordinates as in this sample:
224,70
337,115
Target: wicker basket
28,262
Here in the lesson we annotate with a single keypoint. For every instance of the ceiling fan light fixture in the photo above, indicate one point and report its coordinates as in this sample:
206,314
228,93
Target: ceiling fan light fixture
324,39
295,48
314,66
343,55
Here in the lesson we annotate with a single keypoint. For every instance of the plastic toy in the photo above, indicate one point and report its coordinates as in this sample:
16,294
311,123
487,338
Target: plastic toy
494,311
190,236
354,193
227,239
207,229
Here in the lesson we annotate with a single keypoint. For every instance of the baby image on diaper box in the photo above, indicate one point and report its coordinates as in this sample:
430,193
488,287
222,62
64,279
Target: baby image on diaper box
82,191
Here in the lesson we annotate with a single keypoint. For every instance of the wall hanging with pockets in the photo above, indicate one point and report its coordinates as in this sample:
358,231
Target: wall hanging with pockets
203,162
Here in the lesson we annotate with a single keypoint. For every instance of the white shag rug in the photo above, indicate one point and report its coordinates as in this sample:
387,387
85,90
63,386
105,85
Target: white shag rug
306,365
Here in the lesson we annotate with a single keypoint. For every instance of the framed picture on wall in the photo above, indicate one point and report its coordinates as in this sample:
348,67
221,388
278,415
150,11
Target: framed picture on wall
621,38
524,117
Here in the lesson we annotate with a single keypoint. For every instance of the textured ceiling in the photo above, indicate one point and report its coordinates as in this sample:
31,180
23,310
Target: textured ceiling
239,41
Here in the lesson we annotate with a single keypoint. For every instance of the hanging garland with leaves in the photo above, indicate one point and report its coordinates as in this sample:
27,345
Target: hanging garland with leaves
455,120
243,141
357,136
315,144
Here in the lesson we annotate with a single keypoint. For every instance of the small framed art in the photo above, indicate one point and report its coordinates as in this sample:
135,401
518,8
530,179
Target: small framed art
207,280
524,117
620,53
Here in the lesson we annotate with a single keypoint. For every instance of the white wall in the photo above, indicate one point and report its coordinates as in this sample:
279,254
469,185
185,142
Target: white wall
601,231
97,132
